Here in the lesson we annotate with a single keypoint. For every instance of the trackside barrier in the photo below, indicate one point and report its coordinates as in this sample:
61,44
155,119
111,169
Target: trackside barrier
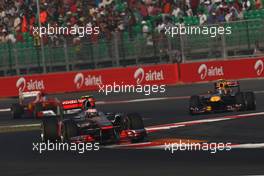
89,80
225,69
163,74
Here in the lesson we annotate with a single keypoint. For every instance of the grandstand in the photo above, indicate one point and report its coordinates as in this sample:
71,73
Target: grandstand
129,33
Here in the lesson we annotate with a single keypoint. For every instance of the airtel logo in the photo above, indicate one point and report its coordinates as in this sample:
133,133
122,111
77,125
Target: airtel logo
259,67
22,84
79,80
154,75
204,71
89,80
139,75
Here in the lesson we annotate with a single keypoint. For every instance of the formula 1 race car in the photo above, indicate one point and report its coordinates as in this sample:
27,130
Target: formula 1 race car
35,104
225,97
91,126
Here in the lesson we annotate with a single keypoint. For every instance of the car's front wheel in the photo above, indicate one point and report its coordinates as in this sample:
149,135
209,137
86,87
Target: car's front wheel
69,130
135,122
17,111
49,128
250,101
195,103
240,101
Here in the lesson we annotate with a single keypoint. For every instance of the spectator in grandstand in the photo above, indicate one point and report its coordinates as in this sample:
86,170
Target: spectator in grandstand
246,5
258,4
202,18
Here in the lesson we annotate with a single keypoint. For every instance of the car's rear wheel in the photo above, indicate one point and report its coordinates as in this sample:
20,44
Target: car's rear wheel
49,129
250,101
69,130
195,103
135,122
17,111
239,98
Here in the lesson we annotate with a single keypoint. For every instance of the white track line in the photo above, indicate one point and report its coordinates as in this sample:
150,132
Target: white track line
5,110
153,145
138,100
168,126
259,92
202,121
248,146
20,126
144,100
154,99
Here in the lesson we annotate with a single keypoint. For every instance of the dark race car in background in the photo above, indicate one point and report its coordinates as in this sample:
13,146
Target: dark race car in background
99,127
225,97
35,104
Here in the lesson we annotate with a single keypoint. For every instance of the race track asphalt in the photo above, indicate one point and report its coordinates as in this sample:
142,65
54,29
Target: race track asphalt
18,158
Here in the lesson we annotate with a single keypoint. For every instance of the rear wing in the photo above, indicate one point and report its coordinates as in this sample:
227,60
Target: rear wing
29,94
226,84
72,106
233,83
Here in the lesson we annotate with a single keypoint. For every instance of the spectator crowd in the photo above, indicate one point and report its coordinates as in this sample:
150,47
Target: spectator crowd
17,17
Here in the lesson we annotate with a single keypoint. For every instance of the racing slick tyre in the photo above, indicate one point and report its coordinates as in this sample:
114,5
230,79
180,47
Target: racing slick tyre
69,130
195,102
250,101
38,108
49,129
240,100
17,111
135,122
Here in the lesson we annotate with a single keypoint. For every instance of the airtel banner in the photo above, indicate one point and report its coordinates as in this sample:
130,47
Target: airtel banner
89,80
229,69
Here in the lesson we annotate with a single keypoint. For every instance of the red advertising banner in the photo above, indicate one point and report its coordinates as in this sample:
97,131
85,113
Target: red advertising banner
89,80
227,69
164,74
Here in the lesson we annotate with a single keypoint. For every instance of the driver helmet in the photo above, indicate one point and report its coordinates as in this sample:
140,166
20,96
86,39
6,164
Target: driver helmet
90,99
90,113
87,105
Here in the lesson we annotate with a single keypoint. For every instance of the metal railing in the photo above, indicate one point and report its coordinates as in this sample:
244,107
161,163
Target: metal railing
245,40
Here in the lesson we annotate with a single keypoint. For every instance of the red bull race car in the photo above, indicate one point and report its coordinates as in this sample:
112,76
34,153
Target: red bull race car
89,125
225,97
35,104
